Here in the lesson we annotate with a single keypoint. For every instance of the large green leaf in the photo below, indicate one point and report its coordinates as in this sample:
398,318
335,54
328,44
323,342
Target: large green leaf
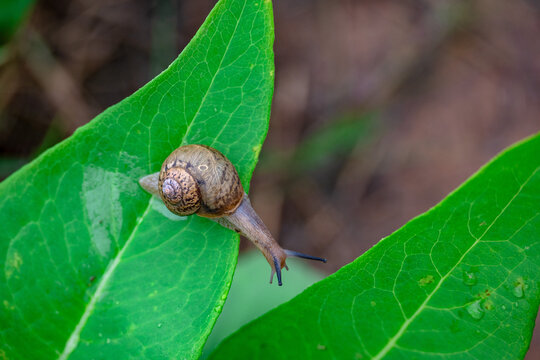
459,282
92,267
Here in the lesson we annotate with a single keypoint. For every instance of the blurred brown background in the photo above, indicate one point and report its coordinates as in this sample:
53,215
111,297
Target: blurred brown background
381,108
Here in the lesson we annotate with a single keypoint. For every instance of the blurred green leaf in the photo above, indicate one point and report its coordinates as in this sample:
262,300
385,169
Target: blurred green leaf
12,13
324,146
459,282
333,141
92,268
52,136
251,295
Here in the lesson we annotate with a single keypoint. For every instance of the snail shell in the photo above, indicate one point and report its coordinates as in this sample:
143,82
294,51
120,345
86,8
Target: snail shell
199,179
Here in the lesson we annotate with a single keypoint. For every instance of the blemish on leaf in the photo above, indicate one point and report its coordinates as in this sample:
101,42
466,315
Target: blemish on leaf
8,306
373,303
488,305
483,295
13,263
469,278
131,328
321,347
426,280
256,149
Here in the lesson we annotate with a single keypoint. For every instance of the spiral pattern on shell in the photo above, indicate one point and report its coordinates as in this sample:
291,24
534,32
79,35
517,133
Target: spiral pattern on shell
179,191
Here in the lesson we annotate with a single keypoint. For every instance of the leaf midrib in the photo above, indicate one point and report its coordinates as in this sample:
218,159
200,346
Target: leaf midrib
73,340
422,306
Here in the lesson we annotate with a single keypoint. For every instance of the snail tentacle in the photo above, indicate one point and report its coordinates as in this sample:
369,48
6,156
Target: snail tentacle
303,256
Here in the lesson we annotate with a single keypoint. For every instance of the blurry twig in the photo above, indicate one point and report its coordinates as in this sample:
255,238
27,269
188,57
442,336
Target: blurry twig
57,83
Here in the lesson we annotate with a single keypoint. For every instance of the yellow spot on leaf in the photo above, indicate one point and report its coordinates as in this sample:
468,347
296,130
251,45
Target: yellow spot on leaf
13,263
428,279
256,149
8,306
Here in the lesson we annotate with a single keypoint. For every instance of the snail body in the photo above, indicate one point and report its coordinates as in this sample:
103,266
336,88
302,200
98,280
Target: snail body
198,179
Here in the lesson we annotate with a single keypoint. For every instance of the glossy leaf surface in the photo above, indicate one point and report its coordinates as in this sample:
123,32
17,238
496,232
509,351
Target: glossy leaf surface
95,268
458,282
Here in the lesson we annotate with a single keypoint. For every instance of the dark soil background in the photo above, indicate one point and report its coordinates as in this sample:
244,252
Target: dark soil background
381,108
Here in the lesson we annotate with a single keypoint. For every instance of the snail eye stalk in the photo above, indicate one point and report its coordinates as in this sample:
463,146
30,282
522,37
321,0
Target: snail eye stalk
303,256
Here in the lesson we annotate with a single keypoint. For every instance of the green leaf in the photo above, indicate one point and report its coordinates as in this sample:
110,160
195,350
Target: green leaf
92,267
251,296
330,144
458,282
12,13
333,142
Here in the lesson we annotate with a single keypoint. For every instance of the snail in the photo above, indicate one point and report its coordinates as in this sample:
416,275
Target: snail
198,179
